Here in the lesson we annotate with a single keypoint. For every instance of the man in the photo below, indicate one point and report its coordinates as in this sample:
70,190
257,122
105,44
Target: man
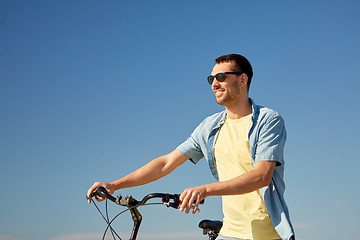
244,148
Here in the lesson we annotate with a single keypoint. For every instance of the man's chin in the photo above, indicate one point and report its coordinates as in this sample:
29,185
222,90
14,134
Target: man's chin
220,102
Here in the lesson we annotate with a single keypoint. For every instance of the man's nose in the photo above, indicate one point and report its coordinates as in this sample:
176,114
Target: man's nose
215,83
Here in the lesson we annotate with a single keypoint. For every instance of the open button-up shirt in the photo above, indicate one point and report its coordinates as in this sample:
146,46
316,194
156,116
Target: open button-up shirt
267,136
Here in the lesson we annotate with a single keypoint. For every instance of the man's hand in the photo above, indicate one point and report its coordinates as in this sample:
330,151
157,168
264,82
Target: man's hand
192,196
108,186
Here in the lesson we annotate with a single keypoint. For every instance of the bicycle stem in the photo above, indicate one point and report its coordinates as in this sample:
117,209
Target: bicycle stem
137,218
132,204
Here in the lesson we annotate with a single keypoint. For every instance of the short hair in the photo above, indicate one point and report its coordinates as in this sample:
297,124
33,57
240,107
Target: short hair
241,64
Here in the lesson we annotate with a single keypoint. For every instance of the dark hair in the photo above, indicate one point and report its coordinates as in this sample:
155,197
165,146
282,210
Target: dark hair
241,64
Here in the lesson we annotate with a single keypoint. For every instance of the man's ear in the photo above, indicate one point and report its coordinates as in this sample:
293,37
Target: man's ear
244,79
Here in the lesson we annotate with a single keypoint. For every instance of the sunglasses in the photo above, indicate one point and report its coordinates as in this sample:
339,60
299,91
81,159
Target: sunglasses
220,77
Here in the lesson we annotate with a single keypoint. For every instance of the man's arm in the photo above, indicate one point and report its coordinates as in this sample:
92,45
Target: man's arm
250,181
154,170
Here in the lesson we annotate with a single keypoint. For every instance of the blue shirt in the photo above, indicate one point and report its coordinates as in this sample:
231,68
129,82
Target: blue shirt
267,136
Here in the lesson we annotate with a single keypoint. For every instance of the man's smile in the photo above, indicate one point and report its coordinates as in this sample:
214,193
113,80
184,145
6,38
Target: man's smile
219,92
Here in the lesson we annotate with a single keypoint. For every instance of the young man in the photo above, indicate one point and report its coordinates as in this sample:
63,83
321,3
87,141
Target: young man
244,148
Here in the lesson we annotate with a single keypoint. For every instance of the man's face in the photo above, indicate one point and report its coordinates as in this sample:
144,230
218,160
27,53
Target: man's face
228,91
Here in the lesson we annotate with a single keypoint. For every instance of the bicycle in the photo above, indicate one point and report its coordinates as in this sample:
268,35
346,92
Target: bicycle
210,228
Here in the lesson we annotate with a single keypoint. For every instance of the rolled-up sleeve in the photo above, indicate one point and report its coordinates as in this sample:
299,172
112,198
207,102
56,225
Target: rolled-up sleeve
272,137
196,146
191,147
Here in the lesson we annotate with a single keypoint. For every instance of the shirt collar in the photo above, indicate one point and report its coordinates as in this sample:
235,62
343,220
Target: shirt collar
255,110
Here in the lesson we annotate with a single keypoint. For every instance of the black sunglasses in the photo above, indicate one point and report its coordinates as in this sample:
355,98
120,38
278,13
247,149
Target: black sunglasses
220,77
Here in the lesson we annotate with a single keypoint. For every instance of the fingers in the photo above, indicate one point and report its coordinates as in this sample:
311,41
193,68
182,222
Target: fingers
90,191
196,208
99,199
184,201
93,188
190,199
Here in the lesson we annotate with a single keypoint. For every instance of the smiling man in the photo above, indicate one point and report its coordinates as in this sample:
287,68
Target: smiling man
244,147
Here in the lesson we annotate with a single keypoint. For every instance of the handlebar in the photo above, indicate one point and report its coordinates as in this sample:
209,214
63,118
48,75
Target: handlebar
129,201
170,200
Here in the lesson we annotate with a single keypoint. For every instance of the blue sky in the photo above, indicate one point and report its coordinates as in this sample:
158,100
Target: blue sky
92,90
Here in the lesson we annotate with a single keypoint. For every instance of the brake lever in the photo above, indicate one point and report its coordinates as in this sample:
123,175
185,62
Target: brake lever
176,203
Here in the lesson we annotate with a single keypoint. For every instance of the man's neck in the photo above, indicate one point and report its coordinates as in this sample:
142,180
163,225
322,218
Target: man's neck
239,110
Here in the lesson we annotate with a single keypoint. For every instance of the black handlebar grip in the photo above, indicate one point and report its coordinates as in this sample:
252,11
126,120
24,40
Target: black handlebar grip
101,192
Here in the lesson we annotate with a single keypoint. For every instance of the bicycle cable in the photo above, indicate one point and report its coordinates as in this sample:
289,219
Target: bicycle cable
107,220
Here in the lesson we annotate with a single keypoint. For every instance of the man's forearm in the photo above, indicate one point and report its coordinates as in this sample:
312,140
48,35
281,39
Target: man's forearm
251,181
154,170
146,174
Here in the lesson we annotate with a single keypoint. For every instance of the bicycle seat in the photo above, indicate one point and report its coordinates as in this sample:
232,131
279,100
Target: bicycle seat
211,225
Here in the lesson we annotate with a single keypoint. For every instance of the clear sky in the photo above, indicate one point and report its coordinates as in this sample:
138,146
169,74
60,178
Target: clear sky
91,90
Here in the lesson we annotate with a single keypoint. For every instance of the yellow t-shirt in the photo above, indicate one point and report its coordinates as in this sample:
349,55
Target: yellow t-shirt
245,216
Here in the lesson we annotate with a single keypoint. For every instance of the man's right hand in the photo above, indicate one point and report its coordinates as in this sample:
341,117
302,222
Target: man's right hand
108,187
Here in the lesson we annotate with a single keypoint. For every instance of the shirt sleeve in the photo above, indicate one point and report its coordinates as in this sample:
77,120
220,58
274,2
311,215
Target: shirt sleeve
191,148
272,137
